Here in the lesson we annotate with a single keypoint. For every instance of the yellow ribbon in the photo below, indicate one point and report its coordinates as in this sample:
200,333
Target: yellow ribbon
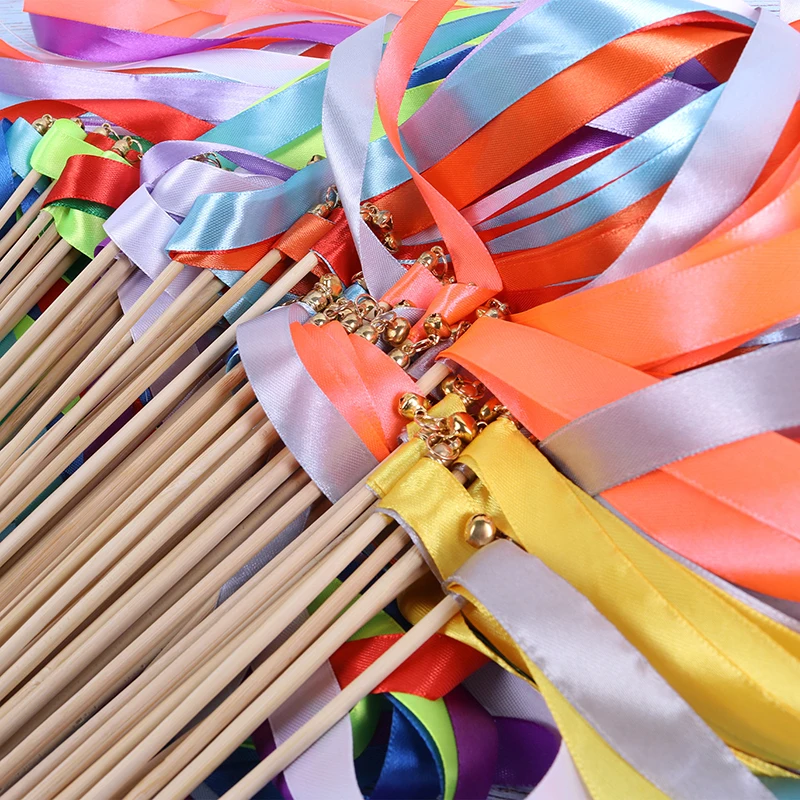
736,667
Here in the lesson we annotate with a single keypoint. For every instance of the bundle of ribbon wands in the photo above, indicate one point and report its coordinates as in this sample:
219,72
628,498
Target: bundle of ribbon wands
399,400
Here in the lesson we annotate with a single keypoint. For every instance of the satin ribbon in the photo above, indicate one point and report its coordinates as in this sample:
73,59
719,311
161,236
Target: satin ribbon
408,220
718,503
669,421
599,695
440,513
685,214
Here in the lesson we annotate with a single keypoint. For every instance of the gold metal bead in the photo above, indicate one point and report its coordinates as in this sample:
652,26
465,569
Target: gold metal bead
316,157
317,299
397,331
367,307
391,242
490,410
436,325
448,385
331,283
462,426
368,332
400,358
351,322
411,404
78,121
384,219
318,320
480,530
43,124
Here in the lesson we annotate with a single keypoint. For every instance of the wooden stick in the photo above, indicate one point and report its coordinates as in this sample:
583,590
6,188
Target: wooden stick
64,337
22,224
140,529
64,359
408,569
55,312
201,609
146,591
135,434
211,442
336,709
139,652
28,238
157,729
87,371
19,494
62,538
10,286
17,196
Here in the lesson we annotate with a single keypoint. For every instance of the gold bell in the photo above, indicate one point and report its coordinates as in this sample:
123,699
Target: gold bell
391,242
436,326
490,410
317,299
367,307
368,332
480,530
448,385
43,124
331,283
383,219
318,320
396,332
400,358
351,322
462,426
78,121
315,158
411,404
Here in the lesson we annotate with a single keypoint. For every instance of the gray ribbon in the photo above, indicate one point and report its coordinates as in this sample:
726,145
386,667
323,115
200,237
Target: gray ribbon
290,398
680,417
610,683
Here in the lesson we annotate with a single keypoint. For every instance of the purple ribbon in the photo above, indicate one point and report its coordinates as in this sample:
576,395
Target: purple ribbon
87,42
320,32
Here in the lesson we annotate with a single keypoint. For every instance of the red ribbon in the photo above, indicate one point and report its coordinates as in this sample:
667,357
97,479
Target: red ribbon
431,672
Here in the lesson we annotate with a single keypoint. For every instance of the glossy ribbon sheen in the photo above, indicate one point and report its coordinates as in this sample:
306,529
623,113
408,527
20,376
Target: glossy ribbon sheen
665,741
728,155
281,383
680,417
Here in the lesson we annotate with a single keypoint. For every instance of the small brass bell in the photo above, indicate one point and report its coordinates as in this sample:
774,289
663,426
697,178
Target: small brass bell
400,358
462,426
367,307
317,299
411,404
315,158
490,410
368,332
448,385
397,331
351,322
331,283
318,320
480,530
391,242
436,326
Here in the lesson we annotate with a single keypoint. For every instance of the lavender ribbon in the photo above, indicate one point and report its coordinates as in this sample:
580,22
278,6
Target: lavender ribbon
211,100
282,385
348,108
728,156
663,739
680,417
